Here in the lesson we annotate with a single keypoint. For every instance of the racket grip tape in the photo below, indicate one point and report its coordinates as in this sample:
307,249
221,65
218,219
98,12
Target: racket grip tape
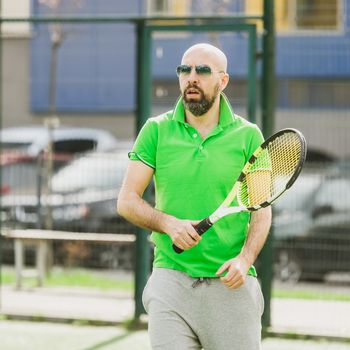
201,228
177,249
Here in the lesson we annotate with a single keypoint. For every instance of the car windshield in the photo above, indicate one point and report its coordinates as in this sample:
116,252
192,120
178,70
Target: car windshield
302,189
97,171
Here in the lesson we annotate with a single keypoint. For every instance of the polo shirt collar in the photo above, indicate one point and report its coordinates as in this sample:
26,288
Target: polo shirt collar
226,113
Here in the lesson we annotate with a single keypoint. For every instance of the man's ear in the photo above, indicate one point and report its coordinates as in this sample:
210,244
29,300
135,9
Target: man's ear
224,81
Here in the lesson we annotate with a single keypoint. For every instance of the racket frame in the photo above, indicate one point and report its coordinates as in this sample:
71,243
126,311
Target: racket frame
224,209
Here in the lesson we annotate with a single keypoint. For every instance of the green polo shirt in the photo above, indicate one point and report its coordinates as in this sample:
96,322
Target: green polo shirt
192,177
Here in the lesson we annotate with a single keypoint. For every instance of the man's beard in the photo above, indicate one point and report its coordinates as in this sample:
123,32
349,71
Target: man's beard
201,106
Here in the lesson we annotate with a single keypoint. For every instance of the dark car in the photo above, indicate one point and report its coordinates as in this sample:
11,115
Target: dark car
312,227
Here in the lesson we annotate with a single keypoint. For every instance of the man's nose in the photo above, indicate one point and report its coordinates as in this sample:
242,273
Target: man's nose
192,77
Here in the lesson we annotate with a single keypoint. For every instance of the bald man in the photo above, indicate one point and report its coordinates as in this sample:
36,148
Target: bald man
208,296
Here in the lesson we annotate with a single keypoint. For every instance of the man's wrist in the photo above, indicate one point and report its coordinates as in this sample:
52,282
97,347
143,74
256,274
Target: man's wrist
161,221
248,258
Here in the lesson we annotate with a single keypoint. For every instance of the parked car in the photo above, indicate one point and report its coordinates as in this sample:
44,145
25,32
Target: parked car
83,199
34,139
83,196
312,226
23,152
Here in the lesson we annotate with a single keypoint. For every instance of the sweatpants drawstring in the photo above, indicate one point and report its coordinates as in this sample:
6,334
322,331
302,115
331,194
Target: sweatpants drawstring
200,280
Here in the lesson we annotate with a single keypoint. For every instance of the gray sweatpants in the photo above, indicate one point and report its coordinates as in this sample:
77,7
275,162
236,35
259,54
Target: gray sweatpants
186,313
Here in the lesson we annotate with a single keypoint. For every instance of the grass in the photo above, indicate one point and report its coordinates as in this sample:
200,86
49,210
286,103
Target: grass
84,278
318,294
7,276
76,278
110,280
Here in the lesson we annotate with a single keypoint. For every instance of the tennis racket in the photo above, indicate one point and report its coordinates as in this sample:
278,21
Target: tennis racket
269,172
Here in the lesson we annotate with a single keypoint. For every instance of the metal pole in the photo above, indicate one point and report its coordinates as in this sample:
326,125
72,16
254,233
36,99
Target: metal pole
268,118
1,77
268,69
127,18
251,108
143,98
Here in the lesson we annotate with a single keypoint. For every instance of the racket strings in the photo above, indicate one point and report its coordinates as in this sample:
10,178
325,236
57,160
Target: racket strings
271,171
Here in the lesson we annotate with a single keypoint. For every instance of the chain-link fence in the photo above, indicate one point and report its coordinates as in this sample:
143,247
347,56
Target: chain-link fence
82,75
312,226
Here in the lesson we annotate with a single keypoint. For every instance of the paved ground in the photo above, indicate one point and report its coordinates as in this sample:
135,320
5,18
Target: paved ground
19,335
311,317
70,304
325,318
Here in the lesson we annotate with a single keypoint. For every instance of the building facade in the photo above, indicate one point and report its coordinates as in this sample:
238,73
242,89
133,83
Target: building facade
85,73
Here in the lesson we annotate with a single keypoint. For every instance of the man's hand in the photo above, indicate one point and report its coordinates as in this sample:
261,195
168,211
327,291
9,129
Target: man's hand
237,269
183,234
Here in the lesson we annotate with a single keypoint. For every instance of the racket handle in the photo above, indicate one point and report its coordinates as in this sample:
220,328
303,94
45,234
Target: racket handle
177,249
201,228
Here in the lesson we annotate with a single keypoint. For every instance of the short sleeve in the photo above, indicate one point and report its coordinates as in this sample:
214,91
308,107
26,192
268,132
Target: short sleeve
145,146
256,139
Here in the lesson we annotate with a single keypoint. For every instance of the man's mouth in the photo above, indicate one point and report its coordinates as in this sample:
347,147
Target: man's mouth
192,92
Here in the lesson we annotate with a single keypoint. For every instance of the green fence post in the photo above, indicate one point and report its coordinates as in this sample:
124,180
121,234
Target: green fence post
267,106
268,69
1,76
143,100
251,109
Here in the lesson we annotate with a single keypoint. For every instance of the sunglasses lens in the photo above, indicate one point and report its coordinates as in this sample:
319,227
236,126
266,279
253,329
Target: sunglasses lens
204,70
183,69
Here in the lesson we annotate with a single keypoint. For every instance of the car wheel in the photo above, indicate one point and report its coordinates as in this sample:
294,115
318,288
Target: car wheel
287,268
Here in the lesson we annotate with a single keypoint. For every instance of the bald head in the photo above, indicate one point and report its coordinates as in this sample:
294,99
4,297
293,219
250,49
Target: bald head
206,52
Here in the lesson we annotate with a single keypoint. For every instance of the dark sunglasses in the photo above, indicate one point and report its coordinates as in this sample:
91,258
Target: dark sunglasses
202,69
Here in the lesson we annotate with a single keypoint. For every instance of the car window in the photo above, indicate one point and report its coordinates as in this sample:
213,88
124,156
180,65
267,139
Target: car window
90,172
74,146
334,193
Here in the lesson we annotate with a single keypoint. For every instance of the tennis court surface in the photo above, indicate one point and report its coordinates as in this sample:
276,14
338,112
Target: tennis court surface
24,335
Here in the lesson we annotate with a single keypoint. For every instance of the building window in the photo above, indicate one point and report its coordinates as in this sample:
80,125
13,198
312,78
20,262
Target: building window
294,15
169,7
159,7
180,8
10,8
316,14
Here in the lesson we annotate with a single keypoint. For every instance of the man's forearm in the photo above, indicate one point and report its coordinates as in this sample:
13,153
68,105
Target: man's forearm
139,212
258,231
135,209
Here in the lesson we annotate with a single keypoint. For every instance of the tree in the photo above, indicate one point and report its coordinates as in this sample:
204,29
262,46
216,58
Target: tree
58,34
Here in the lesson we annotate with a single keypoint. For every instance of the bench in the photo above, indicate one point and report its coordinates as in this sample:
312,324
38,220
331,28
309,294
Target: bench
41,238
